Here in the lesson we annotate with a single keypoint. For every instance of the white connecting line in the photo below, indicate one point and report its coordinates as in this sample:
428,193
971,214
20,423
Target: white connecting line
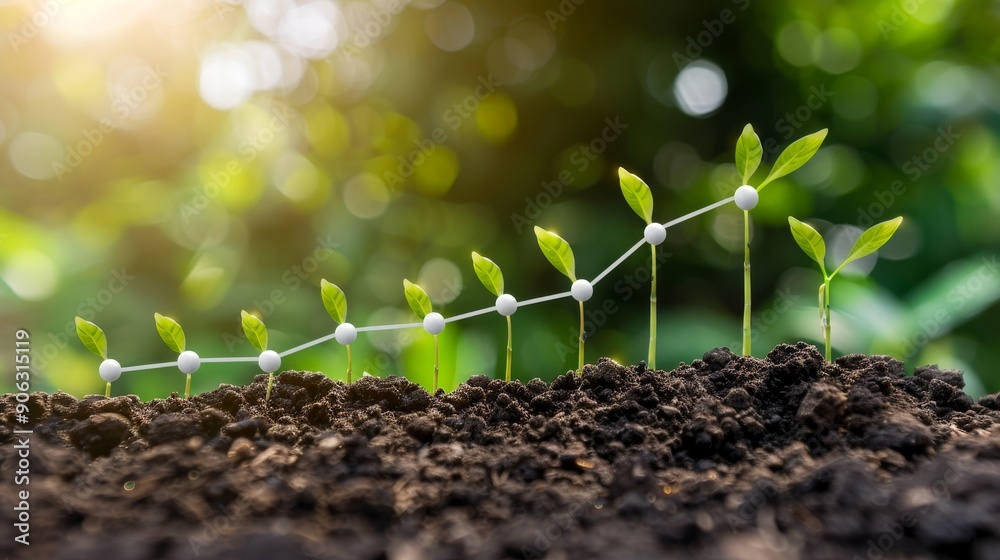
460,317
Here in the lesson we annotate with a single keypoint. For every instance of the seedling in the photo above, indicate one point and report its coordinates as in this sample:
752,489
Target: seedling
173,335
560,255
640,199
748,156
420,303
491,277
269,360
94,340
335,303
812,244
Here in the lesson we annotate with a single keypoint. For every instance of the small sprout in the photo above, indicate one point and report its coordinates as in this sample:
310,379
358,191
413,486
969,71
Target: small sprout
269,360
560,255
420,303
492,278
94,340
811,243
640,199
335,302
173,335
748,157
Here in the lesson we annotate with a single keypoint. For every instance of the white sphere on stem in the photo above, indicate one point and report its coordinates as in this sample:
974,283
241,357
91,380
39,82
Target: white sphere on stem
345,333
110,370
746,197
582,290
655,233
506,305
269,361
188,362
434,323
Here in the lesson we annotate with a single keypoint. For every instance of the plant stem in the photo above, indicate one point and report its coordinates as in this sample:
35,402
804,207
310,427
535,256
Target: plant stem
348,364
652,314
580,366
824,314
746,283
270,381
510,351
107,390
435,363
187,387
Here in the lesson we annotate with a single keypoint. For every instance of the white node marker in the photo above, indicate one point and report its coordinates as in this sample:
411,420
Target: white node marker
654,234
188,362
434,323
746,197
269,361
345,333
582,290
506,305
110,370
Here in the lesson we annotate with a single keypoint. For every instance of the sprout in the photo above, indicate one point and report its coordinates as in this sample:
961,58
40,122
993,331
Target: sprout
420,303
812,244
335,303
640,199
748,156
173,335
94,340
491,277
560,255
269,360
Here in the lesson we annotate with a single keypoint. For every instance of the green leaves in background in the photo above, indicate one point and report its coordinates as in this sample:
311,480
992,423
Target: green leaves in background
418,299
334,301
171,332
92,337
748,153
557,251
489,273
637,194
795,156
871,240
810,241
255,330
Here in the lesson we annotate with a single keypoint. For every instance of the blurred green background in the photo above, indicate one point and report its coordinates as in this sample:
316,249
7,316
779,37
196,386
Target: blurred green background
198,158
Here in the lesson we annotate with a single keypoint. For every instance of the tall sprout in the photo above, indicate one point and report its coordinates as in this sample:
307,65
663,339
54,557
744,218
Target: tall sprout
640,199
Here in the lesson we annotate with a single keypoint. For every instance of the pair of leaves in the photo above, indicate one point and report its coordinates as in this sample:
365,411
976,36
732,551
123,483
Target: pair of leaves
637,194
489,273
92,337
171,332
334,300
418,299
870,241
557,251
749,153
255,330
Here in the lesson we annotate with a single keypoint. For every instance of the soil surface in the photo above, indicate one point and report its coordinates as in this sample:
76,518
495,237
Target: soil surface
726,458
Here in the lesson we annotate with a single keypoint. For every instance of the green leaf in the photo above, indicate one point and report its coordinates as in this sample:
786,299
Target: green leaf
489,273
810,241
637,194
795,156
171,333
870,241
334,301
748,153
92,337
419,302
255,330
557,251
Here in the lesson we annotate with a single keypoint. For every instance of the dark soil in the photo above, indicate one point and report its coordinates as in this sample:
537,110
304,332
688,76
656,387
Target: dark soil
727,458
